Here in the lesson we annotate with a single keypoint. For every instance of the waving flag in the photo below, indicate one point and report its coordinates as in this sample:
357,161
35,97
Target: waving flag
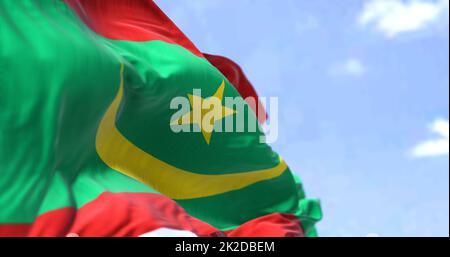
86,146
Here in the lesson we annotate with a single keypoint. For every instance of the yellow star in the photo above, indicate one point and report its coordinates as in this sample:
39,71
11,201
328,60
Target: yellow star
206,112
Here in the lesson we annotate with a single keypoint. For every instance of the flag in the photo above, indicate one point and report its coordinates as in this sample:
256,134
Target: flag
87,146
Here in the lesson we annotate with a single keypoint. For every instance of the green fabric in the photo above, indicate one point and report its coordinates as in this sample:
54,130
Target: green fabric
57,79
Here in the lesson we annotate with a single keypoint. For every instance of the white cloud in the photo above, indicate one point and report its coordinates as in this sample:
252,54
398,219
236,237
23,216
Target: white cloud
350,67
435,147
394,17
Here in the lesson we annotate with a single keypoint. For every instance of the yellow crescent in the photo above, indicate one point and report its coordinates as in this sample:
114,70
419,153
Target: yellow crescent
121,155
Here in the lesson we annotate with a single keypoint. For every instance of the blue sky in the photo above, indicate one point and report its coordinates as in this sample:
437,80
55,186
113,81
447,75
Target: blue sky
363,91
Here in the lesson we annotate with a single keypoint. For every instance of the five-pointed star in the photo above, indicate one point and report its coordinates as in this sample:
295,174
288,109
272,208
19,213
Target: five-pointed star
214,114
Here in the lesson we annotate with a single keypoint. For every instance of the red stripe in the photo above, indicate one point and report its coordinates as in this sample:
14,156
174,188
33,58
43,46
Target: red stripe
236,76
131,20
54,223
113,215
14,230
274,225
134,214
